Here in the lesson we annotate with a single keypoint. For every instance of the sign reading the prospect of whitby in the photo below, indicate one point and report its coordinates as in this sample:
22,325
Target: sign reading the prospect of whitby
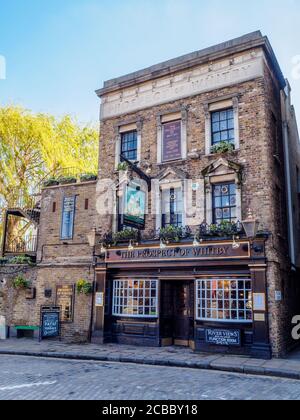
220,251
223,337
50,324
171,141
135,207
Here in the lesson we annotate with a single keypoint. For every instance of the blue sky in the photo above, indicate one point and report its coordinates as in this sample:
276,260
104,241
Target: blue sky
58,52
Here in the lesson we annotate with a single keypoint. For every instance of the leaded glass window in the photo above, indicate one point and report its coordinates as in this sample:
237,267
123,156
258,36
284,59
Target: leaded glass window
224,203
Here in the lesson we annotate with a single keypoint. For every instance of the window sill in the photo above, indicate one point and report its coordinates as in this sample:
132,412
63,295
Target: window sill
232,152
170,162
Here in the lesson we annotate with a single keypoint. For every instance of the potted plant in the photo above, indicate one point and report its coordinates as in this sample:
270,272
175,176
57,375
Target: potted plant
126,235
20,282
51,182
171,234
21,260
223,147
122,167
84,287
64,180
88,177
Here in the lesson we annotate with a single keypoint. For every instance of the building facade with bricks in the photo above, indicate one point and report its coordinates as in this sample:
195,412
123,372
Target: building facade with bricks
190,236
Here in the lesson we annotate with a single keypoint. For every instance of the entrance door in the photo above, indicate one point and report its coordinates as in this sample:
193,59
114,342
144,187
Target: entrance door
177,312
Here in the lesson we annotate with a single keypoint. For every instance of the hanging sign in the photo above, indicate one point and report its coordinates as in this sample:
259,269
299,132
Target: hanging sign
135,207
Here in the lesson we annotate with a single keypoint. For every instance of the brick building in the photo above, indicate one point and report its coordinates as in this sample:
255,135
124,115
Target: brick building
193,224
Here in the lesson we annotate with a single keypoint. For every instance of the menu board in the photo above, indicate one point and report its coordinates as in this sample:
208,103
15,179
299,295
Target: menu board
171,149
64,299
50,324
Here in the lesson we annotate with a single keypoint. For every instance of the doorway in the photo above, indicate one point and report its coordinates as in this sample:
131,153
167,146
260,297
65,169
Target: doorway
177,312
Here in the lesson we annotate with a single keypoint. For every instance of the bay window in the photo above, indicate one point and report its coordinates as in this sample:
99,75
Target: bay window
226,300
135,298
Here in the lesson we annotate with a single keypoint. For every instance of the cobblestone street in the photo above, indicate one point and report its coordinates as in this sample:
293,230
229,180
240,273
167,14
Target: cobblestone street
49,379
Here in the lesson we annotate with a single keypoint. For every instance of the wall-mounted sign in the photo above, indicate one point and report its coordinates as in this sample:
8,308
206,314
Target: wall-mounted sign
259,302
221,251
278,295
171,149
50,323
223,337
64,299
135,207
99,300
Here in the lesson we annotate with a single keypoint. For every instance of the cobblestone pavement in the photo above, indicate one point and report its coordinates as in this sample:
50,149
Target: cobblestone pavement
163,356
50,379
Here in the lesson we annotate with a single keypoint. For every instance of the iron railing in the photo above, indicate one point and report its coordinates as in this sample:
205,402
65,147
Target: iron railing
22,246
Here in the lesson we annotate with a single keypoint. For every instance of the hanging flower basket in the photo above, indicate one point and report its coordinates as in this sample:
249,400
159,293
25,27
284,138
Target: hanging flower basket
84,287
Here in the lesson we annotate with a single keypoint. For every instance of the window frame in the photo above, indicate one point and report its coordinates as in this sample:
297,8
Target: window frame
118,297
199,308
171,191
136,149
219,112
72,223
230,207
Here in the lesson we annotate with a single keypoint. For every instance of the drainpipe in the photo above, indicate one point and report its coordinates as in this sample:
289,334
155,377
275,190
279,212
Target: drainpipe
287,165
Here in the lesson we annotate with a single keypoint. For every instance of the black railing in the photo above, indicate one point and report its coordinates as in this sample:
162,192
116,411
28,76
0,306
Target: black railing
22,246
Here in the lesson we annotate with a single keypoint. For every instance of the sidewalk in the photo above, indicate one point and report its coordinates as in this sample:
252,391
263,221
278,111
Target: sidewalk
165,356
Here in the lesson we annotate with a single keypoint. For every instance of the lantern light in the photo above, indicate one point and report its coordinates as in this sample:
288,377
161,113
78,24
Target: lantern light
250,225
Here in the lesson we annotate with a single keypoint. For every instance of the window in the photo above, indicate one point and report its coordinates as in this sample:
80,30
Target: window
129,145
224,203
222,126
67,223
135,298
172,207
224,300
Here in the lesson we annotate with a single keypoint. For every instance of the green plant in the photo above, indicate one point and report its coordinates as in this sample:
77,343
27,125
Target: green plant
123,166
125,235
88,177
50,182
20,282
84,287
223,147
67,180
171,234
20,260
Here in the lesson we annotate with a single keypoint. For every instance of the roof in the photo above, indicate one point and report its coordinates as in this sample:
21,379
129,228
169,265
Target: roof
243,43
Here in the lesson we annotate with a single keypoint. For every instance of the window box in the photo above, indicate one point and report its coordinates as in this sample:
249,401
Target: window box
88,177
67,180
223,147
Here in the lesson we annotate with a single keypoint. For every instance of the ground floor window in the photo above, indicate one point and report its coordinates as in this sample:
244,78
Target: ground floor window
227,300
135,298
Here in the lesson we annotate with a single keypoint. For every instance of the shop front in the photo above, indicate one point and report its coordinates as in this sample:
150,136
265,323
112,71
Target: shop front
210,297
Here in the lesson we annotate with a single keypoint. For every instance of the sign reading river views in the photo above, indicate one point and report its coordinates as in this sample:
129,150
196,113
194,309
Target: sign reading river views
211,251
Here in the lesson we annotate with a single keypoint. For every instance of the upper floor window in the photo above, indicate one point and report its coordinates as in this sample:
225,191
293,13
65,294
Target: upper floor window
129,145
222,126
172,207
224,203
67,222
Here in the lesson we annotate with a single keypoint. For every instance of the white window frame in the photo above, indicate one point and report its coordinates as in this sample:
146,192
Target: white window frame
199,299
209,108
117,304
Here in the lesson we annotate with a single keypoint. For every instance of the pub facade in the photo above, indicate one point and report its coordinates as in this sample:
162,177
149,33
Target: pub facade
189,236
202,249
